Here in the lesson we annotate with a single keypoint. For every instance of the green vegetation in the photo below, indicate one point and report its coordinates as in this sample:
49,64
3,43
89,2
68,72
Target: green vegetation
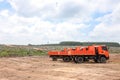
73,43
6,51
109,44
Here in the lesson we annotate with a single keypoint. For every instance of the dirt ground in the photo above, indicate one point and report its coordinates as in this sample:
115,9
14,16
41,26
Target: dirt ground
43,68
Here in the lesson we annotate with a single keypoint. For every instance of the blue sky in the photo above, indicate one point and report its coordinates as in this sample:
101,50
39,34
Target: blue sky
4,5
42,21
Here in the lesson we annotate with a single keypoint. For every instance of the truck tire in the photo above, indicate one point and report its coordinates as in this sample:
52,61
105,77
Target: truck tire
79,59
102,59
54,58
66,59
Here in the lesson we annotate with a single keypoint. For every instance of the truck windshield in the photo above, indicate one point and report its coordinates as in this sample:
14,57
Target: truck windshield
104,48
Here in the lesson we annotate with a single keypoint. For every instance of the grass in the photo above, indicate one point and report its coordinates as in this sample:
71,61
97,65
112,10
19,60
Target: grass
19,52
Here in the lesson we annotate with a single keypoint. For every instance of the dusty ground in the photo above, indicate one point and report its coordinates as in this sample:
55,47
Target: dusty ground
43,68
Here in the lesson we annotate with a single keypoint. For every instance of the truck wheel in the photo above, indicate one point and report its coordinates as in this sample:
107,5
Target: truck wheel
102,60
54,58
79,59
66,59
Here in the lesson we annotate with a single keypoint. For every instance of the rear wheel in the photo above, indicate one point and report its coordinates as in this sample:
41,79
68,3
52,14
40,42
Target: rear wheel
79,59
66,59
102,59
54,58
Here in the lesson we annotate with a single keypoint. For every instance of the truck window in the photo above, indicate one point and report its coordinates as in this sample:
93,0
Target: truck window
104,48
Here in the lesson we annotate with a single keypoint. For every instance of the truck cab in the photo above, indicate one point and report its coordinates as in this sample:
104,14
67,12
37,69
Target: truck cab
102,53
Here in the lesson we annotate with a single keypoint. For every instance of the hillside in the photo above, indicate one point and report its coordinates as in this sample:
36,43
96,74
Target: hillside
73,43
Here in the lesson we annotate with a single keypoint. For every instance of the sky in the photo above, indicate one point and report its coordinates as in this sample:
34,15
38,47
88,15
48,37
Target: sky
53,21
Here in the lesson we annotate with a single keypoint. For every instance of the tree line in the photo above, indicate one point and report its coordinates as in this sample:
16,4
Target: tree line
73,43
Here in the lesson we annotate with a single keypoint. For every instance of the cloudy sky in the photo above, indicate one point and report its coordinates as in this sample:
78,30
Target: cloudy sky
43,21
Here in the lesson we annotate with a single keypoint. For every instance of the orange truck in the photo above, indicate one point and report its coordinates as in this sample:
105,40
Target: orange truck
98,53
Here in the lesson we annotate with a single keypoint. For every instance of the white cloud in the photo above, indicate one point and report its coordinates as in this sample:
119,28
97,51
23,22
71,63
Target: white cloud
56,10
4,13
109,27
22,30
62,10
40,21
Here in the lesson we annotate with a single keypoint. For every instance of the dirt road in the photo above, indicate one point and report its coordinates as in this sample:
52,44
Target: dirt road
43,68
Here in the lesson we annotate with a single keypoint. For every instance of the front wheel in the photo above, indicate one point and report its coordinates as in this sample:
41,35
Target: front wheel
102,60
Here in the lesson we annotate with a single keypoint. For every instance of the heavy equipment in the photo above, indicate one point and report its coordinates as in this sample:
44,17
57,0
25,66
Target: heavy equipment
80,54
